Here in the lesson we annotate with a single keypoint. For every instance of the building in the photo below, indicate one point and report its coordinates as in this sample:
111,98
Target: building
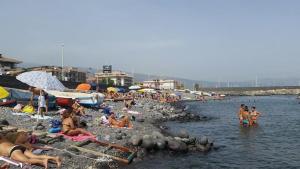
70,74
161,84
116,78
7,64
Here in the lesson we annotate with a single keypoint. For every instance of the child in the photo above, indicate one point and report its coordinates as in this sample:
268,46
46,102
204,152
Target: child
42,103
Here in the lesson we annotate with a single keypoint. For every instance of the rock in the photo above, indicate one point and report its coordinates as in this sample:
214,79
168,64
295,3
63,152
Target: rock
161,144
183,134
147,142
203,140
119,136
66,155
157,135
177,146
4,122
136,140
73,150
204,148
140,120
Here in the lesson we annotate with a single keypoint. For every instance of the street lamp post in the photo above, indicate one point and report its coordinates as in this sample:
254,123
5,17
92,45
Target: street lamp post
62,61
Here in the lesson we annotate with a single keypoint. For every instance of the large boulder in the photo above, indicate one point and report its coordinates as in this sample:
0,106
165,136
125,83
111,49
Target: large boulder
203,140
136,140
157,135
160,144
183,134
148,142
177,146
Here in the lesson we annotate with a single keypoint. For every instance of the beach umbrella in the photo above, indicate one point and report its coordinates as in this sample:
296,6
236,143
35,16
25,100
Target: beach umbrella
83,87
134,87
3,93
41,80
112,89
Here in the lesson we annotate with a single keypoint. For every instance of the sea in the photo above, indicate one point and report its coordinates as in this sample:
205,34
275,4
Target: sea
273,143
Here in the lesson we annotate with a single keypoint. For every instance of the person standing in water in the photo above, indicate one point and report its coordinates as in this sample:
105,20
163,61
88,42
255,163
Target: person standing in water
254,115
246,117
241,110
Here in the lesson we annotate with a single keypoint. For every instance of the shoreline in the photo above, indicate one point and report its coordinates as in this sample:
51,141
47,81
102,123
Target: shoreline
148,134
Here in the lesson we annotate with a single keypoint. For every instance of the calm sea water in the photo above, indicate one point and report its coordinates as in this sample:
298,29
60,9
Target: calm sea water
274,143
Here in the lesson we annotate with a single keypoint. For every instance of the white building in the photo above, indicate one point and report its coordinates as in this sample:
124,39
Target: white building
119,78
161,84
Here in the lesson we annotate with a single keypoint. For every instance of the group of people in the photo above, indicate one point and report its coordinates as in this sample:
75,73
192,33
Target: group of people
17,147
248,117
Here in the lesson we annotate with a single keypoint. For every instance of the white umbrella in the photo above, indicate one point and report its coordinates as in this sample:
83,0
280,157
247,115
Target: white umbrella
134,87
41,80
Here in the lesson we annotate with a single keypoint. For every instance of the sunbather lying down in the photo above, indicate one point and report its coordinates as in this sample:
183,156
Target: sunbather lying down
124,122
19,153
21,138
68,126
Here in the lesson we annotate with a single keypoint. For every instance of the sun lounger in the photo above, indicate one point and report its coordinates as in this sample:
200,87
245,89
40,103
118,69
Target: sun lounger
15,163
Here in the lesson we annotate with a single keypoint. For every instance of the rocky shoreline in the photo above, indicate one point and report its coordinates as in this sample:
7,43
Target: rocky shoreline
148,135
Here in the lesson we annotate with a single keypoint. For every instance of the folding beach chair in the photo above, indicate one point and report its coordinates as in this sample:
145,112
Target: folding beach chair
15,163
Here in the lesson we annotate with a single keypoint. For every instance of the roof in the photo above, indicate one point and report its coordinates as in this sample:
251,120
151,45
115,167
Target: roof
10,60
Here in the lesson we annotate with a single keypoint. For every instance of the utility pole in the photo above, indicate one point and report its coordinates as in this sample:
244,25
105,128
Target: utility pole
256,81
62,62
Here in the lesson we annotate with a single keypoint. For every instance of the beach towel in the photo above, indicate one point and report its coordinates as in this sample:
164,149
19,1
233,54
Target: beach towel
39,117
28,109
133,112
78,138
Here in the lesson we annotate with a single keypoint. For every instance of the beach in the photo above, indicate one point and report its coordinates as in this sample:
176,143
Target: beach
147,136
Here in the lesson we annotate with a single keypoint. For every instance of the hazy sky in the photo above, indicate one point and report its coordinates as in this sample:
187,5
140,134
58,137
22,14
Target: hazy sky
202,40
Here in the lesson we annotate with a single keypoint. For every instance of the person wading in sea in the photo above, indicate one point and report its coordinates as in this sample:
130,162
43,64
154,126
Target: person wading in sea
240,112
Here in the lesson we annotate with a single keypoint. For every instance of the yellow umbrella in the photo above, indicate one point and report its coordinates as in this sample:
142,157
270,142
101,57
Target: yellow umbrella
112,89
3,93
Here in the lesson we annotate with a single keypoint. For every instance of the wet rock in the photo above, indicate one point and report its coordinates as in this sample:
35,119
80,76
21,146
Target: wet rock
203,140
177,146
183,134
136,140
204,148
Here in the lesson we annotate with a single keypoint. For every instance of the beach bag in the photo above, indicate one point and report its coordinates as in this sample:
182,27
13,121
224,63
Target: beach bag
28,109
55,123
54,130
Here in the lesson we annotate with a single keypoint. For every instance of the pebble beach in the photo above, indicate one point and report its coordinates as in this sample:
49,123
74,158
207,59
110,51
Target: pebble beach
148,134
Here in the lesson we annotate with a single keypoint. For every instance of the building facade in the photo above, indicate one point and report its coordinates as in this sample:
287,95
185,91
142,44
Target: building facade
7,64
117,78
161,84
70,74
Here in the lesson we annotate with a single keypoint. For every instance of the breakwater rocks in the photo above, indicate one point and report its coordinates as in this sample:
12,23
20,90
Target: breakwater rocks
256,91
181,143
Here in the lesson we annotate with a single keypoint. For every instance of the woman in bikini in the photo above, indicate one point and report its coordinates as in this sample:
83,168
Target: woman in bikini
68,126
254,116
19,153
